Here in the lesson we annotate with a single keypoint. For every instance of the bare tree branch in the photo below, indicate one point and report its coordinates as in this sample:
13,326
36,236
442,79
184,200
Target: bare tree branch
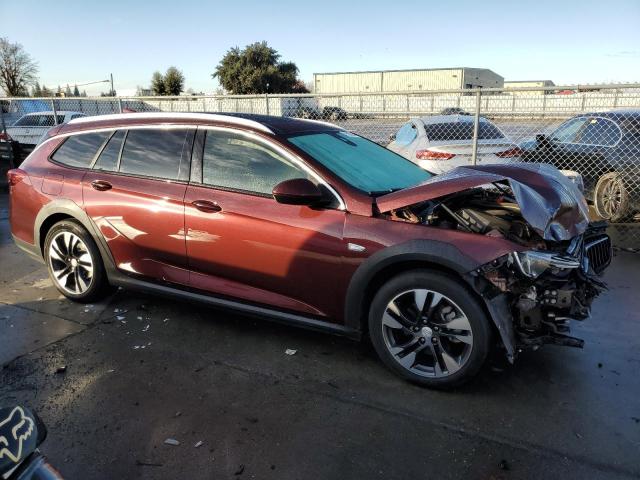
17,69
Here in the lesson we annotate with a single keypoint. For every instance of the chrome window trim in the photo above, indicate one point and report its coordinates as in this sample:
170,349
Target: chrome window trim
285,153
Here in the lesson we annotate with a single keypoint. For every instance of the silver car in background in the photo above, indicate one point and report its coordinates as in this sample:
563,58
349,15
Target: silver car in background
29,128
442,142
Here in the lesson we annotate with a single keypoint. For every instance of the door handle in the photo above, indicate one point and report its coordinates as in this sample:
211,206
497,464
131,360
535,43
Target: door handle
206,206
101,185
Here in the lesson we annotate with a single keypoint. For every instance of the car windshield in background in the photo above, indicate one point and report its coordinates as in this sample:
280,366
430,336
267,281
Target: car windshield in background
38,121
360,162
452,131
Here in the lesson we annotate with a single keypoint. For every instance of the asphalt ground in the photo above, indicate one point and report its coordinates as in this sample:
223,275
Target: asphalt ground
143,369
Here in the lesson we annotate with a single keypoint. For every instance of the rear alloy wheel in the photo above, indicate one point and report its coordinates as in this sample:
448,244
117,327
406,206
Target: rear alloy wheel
74,262
611,199
428,328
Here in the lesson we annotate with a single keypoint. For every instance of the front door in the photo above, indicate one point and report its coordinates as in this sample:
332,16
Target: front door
243,244
135,194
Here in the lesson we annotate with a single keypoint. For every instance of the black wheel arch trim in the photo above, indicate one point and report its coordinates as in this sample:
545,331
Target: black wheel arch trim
438,253
73,210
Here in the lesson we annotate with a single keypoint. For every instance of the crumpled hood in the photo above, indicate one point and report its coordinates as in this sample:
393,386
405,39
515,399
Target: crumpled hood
548,201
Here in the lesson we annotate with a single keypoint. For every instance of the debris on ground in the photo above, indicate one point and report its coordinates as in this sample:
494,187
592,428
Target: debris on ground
178,413
504,465
142,463
172,441
146,328
290,351
139,317
239,470
599,365
199,444
121,318
61,369
165,320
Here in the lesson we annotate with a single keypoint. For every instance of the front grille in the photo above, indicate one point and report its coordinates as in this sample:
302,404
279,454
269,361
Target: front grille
598,251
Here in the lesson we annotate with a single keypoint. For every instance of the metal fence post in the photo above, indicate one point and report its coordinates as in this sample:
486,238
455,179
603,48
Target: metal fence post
266,101
55,112
119,104
3,127
476,130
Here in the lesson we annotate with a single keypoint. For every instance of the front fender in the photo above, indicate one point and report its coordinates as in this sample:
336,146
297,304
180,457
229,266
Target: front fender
419,252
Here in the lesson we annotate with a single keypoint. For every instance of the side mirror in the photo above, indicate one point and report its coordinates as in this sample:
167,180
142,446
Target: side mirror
392,137
297,191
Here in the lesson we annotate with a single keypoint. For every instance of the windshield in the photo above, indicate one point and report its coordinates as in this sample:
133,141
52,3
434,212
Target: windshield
360,162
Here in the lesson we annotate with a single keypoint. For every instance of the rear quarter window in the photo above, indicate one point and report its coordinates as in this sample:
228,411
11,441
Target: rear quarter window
79,150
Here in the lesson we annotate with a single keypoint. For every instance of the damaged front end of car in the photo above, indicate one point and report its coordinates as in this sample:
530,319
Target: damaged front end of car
554,272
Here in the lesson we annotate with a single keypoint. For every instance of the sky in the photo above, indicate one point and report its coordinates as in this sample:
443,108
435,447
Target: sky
569,42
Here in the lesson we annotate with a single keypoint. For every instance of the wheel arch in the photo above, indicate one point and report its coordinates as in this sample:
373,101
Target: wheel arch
387,263
62,209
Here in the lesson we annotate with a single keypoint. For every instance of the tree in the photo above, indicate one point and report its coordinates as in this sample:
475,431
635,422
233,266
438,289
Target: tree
84,93
59,92
173,81
157,84
46,92
17,69
76,92
67,91
36,91
257,69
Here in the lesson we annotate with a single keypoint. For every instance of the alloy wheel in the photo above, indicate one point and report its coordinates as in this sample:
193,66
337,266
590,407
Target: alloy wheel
611,196
427,333
71,264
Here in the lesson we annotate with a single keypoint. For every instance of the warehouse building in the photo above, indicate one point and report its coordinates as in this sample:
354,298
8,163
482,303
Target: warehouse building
531,84
406,80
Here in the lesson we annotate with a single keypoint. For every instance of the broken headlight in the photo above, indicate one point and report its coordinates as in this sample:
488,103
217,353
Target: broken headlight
533,263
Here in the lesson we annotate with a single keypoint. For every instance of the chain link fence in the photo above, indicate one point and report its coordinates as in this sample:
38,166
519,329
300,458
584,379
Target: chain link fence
591,132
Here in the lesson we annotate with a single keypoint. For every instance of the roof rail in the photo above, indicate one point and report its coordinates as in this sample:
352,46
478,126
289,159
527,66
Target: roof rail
179,115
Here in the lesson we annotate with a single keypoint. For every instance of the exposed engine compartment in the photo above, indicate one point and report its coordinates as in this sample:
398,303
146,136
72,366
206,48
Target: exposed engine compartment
484,211
532,294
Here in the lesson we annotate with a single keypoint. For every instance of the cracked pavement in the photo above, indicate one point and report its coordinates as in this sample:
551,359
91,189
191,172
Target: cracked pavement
142,369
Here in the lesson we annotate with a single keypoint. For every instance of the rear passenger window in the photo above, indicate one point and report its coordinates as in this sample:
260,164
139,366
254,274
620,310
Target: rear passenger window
79,150
108,159
154,153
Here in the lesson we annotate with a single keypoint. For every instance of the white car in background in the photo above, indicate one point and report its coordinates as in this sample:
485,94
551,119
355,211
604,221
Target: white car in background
442,142
29,128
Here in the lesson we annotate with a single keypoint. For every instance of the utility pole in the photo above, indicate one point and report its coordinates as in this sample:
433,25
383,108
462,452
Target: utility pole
113,92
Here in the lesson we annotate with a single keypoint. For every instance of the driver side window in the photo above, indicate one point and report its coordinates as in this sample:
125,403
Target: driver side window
568,133
237,162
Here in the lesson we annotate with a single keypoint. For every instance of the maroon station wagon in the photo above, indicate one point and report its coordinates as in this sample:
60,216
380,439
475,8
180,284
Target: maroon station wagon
303,222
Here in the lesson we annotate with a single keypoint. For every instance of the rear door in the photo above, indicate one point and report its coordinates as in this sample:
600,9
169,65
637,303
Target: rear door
135,194
242,243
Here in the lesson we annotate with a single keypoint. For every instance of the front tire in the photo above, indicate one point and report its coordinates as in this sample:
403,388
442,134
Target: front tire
429,329
74,262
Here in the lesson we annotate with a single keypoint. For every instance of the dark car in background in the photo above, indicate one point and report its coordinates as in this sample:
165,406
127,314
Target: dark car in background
327,113
305,223
604,147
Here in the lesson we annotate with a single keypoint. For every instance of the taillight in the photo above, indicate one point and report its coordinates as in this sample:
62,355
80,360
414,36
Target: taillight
4,137
512,152
15,176
433,155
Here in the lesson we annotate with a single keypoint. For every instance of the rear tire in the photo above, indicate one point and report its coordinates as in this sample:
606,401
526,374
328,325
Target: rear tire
74,262
610,197
428,328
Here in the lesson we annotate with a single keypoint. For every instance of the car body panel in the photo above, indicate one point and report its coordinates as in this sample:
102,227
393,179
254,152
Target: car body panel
146,232
30,134
257,249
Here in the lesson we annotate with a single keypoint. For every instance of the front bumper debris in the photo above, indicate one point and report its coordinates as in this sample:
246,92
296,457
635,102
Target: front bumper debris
533,306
